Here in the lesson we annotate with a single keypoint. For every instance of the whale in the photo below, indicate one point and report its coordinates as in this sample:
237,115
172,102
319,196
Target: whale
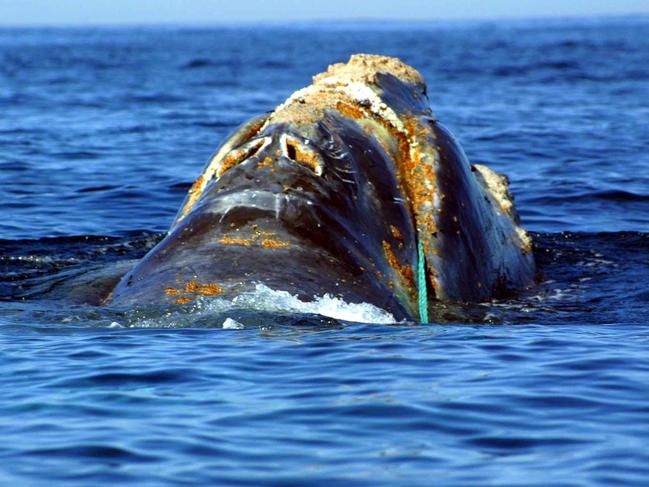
349,188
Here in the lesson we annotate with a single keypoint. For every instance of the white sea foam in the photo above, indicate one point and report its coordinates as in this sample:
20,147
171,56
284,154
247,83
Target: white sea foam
230,324
265,299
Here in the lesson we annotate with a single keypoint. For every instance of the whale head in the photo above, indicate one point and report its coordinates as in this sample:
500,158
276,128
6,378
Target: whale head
350,188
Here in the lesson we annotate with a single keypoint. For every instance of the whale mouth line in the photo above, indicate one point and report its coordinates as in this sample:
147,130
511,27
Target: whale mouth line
273,204
255,198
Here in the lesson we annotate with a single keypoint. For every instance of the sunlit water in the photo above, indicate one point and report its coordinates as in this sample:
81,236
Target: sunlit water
103,131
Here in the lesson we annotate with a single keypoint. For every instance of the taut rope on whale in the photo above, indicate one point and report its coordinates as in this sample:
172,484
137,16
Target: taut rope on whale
349,188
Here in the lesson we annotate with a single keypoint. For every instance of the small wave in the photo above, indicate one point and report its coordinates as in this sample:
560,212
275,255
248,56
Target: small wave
620,195
276,64
204,62
155,98
93,189
615,195
526,69
266,300
102,452
197,63
77,155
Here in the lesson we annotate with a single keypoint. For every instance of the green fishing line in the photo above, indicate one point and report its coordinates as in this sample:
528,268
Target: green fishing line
422,292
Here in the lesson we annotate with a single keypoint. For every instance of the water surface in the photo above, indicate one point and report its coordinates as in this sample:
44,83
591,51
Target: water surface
102,133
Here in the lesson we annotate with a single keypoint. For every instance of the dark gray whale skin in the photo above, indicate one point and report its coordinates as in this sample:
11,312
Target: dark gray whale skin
320,206
325,232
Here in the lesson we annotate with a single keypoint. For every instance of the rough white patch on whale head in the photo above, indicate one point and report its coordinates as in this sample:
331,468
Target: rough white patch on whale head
365,95
362,93
301,93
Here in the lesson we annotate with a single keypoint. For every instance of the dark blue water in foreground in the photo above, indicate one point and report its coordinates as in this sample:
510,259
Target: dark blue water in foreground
103,131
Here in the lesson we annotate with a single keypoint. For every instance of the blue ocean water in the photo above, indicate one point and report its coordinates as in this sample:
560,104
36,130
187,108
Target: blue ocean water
103,131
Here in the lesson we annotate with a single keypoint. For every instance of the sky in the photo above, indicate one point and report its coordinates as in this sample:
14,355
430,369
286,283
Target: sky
96,12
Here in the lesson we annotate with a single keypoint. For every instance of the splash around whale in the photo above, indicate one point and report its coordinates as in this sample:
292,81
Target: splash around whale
350,188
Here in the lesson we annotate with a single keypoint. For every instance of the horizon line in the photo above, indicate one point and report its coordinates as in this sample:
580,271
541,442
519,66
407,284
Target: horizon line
328,20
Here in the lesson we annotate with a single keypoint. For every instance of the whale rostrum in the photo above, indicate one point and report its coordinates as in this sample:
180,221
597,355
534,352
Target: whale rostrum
351,188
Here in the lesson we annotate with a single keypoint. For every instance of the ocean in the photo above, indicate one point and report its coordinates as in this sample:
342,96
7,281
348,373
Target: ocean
103,131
